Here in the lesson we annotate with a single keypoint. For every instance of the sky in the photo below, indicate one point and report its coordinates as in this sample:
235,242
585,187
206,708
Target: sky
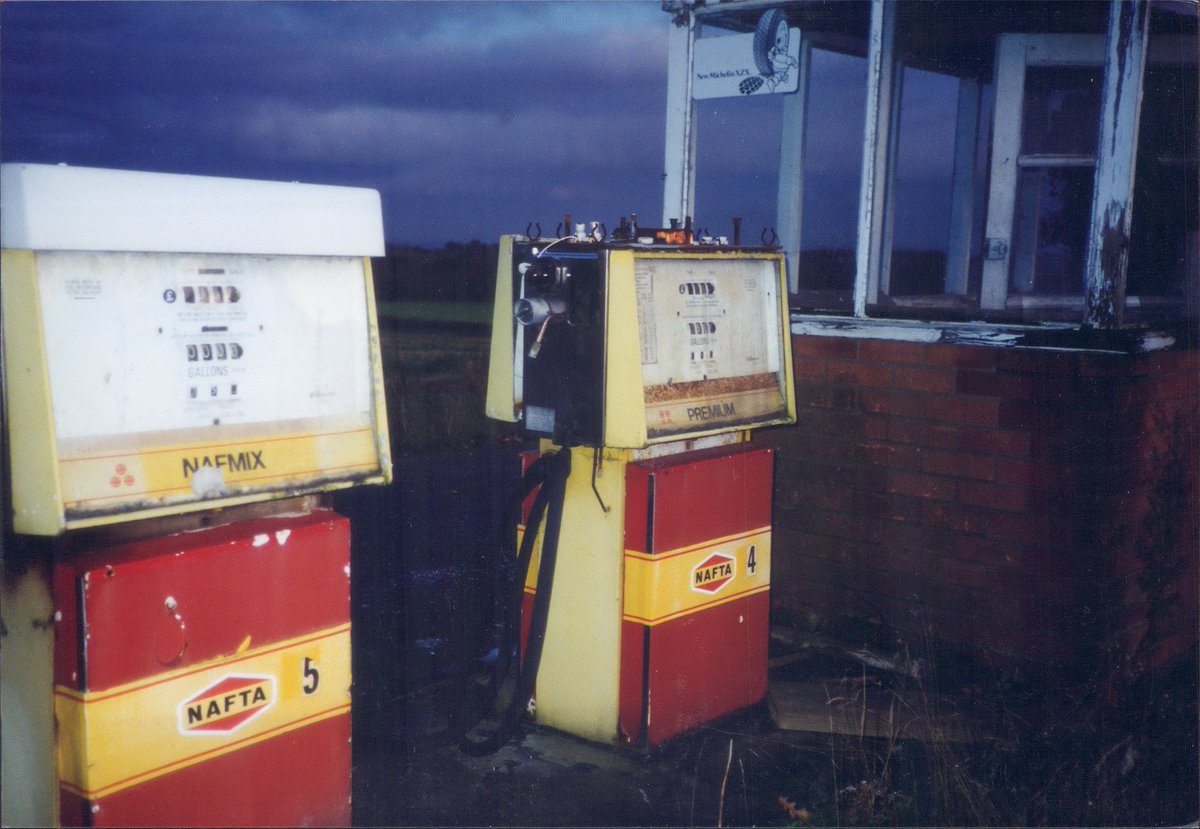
471,119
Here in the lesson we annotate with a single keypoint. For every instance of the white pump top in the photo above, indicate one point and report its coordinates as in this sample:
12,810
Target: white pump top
56,207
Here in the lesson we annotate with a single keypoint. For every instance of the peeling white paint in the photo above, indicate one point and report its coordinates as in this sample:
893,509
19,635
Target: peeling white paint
281,537
975,333
261,539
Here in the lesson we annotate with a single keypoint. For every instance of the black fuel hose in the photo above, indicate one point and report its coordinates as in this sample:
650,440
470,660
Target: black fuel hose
549,474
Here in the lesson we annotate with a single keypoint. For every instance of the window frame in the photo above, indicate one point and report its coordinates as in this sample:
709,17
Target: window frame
1124,57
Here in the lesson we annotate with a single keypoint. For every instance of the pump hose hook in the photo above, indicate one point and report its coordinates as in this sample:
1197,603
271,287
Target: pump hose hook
530,234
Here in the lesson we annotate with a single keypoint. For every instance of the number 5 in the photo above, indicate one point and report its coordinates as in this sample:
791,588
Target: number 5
311,677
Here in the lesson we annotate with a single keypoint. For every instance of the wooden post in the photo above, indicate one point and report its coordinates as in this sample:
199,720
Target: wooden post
1116,154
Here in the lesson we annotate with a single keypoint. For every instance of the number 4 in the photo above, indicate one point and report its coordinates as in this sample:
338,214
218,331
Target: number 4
312,677
751,561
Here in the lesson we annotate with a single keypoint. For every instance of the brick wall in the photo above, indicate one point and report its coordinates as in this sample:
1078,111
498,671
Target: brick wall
994,497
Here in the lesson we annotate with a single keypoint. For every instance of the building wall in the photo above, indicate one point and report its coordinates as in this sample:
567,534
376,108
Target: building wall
999,498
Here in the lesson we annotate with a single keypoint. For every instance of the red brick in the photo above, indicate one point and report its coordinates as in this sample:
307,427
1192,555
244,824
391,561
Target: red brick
1163,361
971,410
902,509
812,475
924,379
891,351
844,347
829,498
902,404
993,384
921,486
933,540
963,356
1037,361
969,574
897,560
981,494
877,427
959,464
807,447
987,550
1022,414
856,528
922,433
891,455
1044,560
856,373
1021,472
957,517
808,368
1106,365
991,441
1025,528
829,421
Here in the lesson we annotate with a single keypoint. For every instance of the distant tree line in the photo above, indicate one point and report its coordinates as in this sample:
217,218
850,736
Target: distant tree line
456,272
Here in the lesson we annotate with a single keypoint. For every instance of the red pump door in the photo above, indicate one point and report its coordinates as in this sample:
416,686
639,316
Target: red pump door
203,678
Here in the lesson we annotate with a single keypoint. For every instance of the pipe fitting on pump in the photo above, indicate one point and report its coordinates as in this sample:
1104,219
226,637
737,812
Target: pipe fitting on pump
535,310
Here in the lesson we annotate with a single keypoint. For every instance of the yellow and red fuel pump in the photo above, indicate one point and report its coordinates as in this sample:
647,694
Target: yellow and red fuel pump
641,361
188,362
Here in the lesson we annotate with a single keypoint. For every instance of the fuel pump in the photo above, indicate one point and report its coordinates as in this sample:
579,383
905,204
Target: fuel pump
644,358
188,362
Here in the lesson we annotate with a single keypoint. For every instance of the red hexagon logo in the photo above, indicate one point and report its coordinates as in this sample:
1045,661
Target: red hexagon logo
226,705
716,571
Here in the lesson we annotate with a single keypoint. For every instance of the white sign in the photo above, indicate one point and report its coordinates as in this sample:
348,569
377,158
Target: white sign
764,62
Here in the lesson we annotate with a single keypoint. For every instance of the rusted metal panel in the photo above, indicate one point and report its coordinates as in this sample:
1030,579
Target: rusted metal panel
1112,206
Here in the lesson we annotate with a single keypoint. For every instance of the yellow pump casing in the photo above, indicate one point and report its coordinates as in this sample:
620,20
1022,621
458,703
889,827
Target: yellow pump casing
178,343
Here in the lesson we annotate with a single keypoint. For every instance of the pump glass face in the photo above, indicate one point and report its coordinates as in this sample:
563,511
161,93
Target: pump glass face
176,376
710,342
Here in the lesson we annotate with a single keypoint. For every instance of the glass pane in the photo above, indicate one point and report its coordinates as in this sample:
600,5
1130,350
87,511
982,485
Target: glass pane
1050,230
1062,110
1164,252
737,165
923,184
834,124
833,158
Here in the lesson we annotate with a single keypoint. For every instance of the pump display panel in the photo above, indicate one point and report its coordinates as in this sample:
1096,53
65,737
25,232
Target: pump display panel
145,382
627,345
707,358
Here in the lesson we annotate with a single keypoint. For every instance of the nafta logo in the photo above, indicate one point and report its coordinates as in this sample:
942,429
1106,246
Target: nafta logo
228,704
710,575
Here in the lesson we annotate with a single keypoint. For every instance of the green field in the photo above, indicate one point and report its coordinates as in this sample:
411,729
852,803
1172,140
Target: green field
432,312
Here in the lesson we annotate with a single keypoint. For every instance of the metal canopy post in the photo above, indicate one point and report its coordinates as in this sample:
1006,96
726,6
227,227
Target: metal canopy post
679,180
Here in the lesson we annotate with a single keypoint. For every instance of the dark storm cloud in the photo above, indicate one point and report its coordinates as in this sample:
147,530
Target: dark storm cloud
471,119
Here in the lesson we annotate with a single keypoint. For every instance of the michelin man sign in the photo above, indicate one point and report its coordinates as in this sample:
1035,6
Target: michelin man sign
764,62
